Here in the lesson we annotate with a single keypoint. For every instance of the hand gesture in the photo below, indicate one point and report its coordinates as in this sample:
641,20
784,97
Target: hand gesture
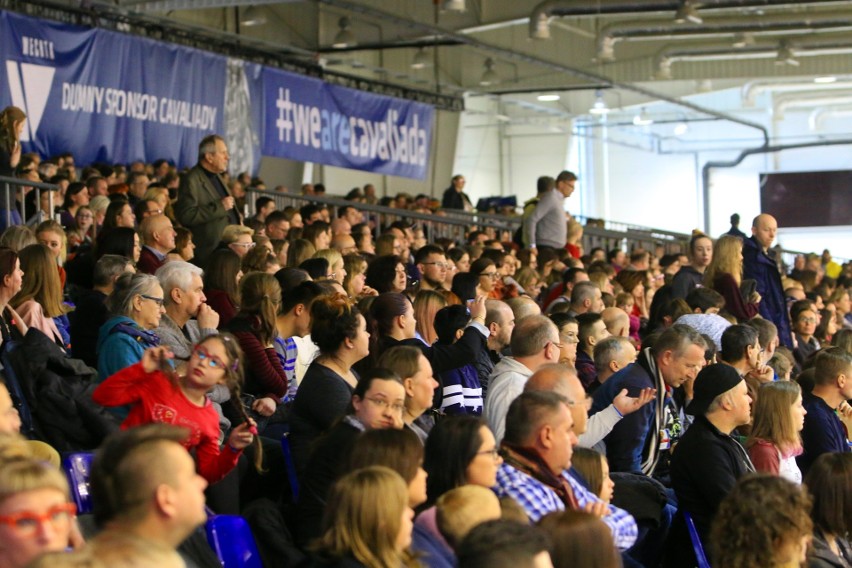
367,291
477,308
264,406
228,203
242,435
764,374
626,404
597,508
155,358
207,317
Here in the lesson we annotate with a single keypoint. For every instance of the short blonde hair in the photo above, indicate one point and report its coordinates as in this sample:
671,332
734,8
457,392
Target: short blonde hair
18,475
460,509
331,255
233,232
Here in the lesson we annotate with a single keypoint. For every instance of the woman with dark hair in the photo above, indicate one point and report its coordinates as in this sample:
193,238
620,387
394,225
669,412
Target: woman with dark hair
12,121
376,403
392,323
460,450
387,274
340,332
829,481
691,276
221,284
11,281
122,241
118,214
319,234
401,451
488,274
76,196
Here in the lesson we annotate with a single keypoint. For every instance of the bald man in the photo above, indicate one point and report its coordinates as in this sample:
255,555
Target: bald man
759,266
158,234
617,322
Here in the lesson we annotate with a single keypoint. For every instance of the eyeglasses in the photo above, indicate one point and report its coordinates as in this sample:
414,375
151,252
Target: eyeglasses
492,275
383,404
212,361
158,301
27,522
85,216
440,265
493,452
245,245
155,211
807,320
331,276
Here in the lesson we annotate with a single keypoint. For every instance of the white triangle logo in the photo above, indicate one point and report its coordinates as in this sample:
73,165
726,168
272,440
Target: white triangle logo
17,93
37,82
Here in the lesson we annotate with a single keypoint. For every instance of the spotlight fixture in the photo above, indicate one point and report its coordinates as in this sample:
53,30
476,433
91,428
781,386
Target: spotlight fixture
642,119
599,106
453,6
687,12
825,80
785,55
345,37
681,128
252,17
540,27
548,98
421,59
489,76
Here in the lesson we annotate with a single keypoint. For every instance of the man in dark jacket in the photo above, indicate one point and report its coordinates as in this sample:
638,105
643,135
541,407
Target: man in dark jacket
708,460
205,206
759,266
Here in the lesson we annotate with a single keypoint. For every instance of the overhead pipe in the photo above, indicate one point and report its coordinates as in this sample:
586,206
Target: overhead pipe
819,115
805,100
613,33
511,55
752,89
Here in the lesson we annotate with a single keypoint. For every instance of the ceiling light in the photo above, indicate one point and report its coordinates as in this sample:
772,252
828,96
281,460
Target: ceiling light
548,98
785,55
453,6
599,106
252,17
743,39
421,59
540,27
642,119
681,128
687,12
828,79
489,76
345,37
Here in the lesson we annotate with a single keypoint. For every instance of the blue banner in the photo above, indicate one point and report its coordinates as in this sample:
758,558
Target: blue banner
115,98
312,121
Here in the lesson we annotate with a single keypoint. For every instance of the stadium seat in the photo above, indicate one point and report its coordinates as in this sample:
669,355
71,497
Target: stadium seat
78,467
231,539
696,541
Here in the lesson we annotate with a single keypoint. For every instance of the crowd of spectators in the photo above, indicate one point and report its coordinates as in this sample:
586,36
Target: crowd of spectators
510,400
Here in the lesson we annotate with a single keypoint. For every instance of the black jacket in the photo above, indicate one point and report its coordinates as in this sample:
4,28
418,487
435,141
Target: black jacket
444,357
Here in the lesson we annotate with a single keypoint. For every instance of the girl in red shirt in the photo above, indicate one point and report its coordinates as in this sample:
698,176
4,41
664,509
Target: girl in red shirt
158,394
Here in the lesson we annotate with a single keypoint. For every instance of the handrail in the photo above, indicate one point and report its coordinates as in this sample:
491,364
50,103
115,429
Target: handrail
6,195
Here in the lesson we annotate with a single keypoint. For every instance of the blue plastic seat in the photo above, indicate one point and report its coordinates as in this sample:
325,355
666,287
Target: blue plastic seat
231,539
291,466
697,547
78,467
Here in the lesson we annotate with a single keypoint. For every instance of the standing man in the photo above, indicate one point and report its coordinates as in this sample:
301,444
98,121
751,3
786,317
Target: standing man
204,205
547,226
455,197
759,266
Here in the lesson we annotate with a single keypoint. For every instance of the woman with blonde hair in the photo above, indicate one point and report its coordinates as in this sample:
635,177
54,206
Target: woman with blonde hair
725,275
367,522
426,305
300,251
355,281
52,235
160,195
17,237
778,419
238,239
336,266
39,301
34,496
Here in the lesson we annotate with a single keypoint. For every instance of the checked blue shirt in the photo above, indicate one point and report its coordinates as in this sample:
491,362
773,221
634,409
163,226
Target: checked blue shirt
538,500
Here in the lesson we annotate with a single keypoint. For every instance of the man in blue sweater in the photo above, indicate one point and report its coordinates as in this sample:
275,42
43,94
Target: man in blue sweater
823,431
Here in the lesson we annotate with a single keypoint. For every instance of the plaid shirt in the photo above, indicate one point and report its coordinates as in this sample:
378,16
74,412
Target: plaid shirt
538,500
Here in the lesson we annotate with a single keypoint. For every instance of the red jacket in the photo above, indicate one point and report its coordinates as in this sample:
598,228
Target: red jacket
155,399
148,262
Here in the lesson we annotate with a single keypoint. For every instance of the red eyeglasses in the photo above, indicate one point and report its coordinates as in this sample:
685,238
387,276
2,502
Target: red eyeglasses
28,522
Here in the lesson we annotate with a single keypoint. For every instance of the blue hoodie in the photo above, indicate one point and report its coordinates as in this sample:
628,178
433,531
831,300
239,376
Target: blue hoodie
117,348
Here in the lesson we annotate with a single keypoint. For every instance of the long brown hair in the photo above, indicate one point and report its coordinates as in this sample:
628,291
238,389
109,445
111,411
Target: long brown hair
726,259
9,117
260,296
773,421
41,281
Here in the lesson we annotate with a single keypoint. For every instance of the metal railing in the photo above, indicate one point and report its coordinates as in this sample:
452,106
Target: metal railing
8,198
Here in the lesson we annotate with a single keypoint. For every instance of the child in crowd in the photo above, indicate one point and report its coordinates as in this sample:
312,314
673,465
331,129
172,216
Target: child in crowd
157,394
625,301
594,469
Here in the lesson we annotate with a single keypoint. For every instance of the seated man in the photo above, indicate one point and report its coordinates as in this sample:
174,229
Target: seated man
144,485
708,460
637,443
505,544
823,431
537,451
188,319
158,237
612,355
592,330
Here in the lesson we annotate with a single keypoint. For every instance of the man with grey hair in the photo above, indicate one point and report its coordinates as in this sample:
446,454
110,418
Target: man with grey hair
500,321
523,306
205,205
639,441
612,355
535,342
183,291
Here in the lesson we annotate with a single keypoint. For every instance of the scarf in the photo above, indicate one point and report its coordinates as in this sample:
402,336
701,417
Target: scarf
530,462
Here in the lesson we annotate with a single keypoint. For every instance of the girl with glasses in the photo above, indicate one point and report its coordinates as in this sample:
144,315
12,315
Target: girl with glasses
156,394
